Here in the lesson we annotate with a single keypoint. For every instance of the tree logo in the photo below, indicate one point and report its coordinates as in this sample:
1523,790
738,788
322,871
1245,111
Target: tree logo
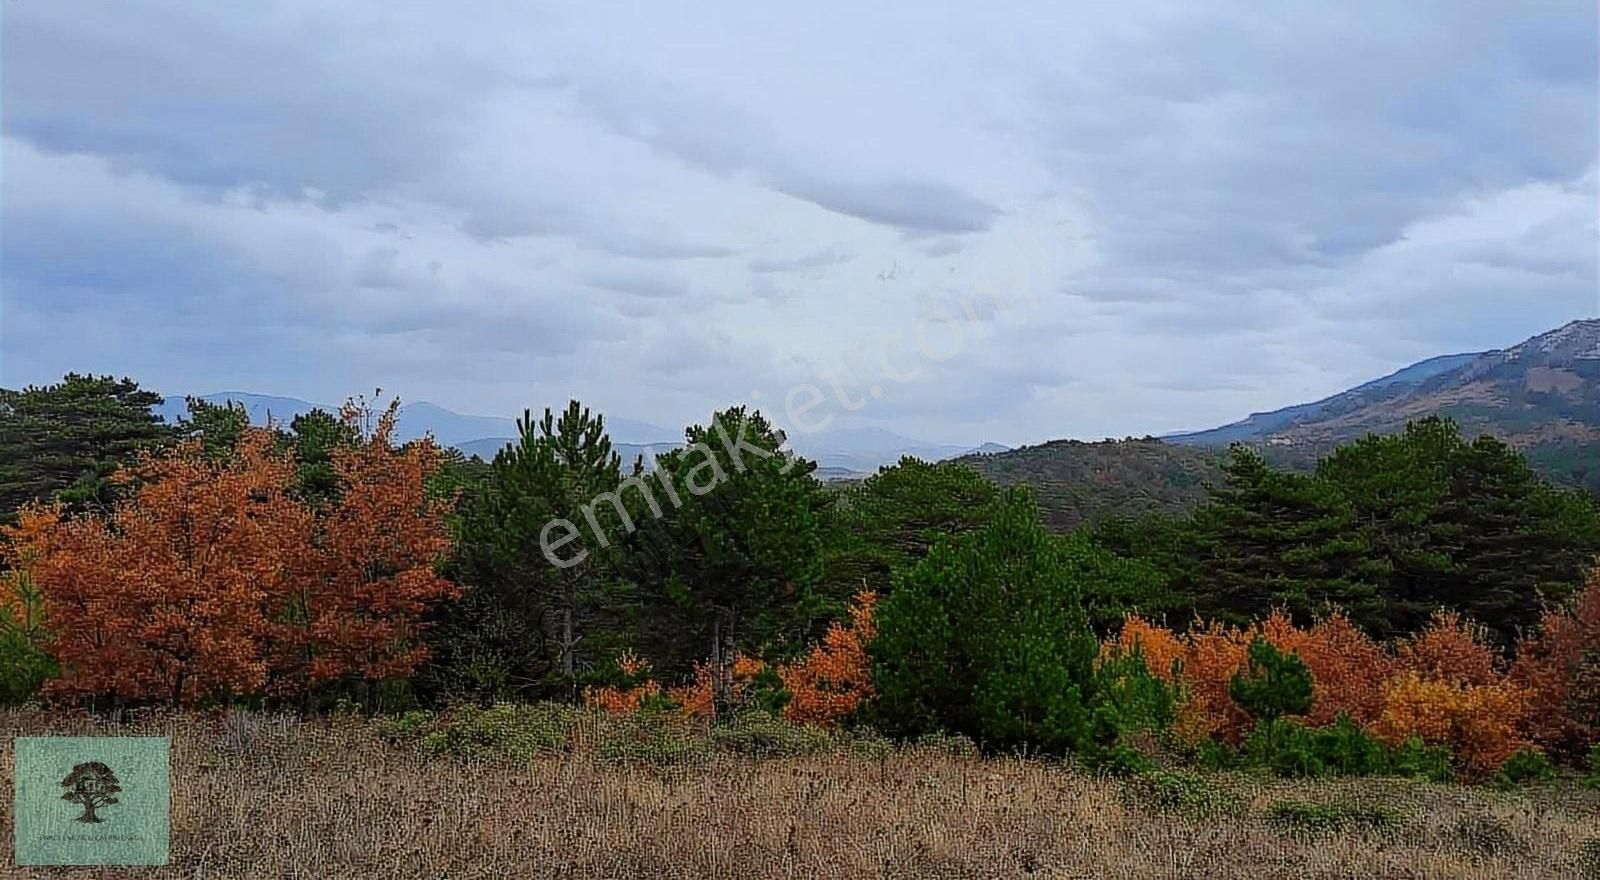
91,785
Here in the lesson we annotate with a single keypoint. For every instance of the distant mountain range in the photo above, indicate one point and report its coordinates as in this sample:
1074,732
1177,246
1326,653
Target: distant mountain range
1263,425
840,454
1542,393
1542,396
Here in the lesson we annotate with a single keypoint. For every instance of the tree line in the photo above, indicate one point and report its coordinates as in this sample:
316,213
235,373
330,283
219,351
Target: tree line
320,561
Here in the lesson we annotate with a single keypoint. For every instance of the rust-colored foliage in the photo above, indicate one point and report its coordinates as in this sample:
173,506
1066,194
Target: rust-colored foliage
1348,667
169,596
1214,654
357,613
835,677
698,698
1451,649
1444,686
1560,668
1480,723
211,578
1451,689
625,700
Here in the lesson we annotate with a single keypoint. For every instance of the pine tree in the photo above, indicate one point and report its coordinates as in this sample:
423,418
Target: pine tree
732,563
528,618
987,635
69,437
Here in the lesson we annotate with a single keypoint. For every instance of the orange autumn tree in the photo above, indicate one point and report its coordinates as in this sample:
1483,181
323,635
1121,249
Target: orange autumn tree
1347,668
1449,688
211,578
356,613
825,686
169,596
831,681
1559,666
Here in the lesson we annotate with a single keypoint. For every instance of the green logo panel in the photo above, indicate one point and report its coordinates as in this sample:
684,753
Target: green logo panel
93,800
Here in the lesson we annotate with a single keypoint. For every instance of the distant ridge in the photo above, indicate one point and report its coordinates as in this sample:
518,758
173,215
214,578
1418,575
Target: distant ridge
1541,395
841,454
1260,425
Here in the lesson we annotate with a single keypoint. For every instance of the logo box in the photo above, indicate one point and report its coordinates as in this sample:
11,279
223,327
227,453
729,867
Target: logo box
92,800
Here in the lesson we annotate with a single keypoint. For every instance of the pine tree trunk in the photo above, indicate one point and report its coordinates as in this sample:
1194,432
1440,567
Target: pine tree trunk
718,696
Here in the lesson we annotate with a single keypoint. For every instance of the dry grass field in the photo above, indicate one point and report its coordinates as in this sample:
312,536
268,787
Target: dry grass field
333,799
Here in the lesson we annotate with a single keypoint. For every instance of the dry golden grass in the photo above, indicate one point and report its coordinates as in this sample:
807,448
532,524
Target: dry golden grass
276,798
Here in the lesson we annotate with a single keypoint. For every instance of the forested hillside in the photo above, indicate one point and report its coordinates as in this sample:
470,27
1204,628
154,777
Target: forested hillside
1077,482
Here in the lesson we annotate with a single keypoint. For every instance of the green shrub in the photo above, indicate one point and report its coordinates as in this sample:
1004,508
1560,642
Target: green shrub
1344,748
1285,747
654,738
866,742
407,728
1116,760
1312,818
1129,698
1187,794
1526,766
1416,759
1593,779
24,664
763,735
1276,684
1217,755
1290,749
504,731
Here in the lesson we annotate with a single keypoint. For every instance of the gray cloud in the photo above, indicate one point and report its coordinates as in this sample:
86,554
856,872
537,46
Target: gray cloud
1223,207
814,260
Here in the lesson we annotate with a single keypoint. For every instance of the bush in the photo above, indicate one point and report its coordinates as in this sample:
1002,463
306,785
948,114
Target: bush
1416,759
868,743
1313,818
1344,748
764,735
654,738
405,729
1187,794
1117,760
1129,697
504,731
1527,765
1217,755
1290,749
1593,779
1285,747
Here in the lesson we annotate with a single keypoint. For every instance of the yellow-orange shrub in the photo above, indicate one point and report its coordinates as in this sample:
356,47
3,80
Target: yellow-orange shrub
835,677
625,700
1481,724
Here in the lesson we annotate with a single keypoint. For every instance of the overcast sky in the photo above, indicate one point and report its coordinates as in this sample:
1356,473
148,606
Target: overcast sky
1190,211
